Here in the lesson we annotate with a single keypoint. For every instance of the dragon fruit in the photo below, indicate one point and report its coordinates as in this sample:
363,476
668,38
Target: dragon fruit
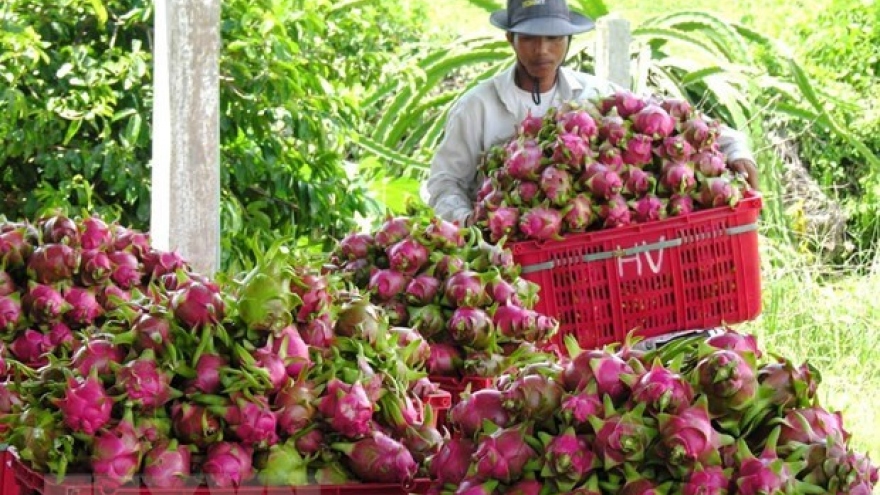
441,234
533,396
386,284
252,421
407,256
728,379
379,458
568,458
811,425
541,223
557,185
601,181
294,352
86,406
116,454
688,437
157,262
526,487
97,353
483,405
59,229
355,246
662,390
648,208
709,164
471,327
465,288
653,121
84,307
700,133
531,125
680,110
615,212
636,181
791,386
228,465
611,156
94,233
675,149
198,304
10,313
44,304
525,193
271,367
7,283
167,465
450,464
579,121
622,437
524,160
51,263
709,480
624,102
734,341
579,214
94,267
347,408
30,347
576,408
126,269
569,151
144,383
392,230
503,454
766,473
131,240
639,151
15,247
679,204
723,190
193,423
678,178
422,289
502,223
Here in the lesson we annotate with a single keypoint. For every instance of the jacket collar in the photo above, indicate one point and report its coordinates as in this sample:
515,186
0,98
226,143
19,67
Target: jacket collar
569,87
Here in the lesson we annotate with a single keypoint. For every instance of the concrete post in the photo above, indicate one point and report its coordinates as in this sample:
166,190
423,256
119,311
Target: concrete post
613,39
185,212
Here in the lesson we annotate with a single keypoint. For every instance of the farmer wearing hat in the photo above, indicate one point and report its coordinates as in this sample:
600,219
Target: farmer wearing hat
539,31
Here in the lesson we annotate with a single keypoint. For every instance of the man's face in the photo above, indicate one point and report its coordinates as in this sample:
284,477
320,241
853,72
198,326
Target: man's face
540,55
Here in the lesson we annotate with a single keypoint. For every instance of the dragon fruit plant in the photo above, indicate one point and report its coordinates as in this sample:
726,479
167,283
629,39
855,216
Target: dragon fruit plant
608,163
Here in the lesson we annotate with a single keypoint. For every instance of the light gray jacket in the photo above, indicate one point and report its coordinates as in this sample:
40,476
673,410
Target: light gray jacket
489,114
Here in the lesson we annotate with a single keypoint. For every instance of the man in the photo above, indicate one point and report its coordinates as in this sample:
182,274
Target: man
539,31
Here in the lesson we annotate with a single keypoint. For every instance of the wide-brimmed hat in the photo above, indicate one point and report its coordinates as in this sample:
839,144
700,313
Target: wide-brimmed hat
540,18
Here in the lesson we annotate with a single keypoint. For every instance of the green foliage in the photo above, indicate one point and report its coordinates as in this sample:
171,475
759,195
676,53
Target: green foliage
76,108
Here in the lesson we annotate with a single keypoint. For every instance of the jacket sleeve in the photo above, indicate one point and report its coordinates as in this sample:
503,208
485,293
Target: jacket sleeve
734,144
451,182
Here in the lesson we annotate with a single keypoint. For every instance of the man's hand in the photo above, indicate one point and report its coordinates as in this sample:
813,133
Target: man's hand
748,169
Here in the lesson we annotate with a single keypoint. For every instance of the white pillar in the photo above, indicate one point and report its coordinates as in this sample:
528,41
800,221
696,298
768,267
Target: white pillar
613,39
185,212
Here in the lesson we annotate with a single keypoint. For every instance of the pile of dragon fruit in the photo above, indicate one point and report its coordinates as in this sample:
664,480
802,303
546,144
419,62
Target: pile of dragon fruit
612,162
119,361
698,416
460,293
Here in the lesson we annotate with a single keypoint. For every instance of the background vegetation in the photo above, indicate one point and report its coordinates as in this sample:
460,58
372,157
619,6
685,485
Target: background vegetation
330,112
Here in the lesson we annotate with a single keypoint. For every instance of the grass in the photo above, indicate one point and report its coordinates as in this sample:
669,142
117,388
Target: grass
812,312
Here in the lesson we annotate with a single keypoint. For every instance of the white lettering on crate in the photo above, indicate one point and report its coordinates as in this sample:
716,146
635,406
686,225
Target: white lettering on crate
652,258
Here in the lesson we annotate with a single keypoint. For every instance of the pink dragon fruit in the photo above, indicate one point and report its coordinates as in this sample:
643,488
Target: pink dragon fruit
676,149
723,190
728,378
679,109
7,283
44,304
476,487
59,229
379,458
116,454
679,204
601,181
662,390
526,487
533,396
611,156
94,267
700,133
812,425
392,230
512,322
648,208
310,443
441,234
709,480
688,437
764,474
126,269
502,223
15,247
355,246
347,408
465,288
570,150
86,406
568,458
709,163
557,185
294,352
483,405
30,347
94,233
131,240
576,408
271,367
579,214
445,360
294,406
678,177
51,263
792,386
228,465
624,102
144,383
615,212
197,305
193,423
471,327
531,125
167,465
503,292
97,353
613,128
578,121
622,437
451,463
158,262
526,193
252,422
525,159
10,313
319,332
422,289
386,284
503,455
112,296
84,307
734,341
407,256
653,121
541,223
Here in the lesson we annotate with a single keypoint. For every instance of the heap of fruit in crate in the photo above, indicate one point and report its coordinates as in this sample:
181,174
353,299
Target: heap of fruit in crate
120,361
612,162
697,417
446,283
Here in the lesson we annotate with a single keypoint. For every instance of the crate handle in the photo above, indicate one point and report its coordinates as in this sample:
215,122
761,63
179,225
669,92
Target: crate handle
654,246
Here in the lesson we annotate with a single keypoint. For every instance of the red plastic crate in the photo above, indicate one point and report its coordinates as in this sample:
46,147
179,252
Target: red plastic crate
8,483
455,386
32,483
440,403
691,272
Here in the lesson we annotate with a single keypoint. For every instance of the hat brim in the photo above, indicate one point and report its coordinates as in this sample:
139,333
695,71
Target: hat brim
544,26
